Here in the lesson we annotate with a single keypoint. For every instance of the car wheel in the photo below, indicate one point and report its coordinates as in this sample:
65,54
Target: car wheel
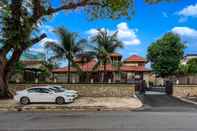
24,100
60,100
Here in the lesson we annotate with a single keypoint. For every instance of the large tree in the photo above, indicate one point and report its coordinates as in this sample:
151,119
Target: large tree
165,54
19,20
105,44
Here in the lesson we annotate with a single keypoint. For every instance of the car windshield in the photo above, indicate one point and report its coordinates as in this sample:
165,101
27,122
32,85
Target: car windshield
57,89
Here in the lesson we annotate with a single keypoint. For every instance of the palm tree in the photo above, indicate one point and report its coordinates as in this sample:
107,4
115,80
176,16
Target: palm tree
66,48
105,44
85,57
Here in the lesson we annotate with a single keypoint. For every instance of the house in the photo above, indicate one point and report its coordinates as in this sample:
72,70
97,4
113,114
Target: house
129,70
33,71
187,57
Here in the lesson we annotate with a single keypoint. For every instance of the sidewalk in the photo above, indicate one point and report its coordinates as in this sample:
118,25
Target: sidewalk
81,104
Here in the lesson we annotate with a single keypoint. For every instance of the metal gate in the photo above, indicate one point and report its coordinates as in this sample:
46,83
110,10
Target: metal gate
167,88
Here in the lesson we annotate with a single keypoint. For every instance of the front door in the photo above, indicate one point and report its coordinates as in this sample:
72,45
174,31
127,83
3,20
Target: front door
46,95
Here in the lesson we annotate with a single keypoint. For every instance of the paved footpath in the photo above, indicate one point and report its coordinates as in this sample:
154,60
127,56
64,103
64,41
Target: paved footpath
98,121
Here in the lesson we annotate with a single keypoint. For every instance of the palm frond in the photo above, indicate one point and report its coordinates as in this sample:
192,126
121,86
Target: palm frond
68,47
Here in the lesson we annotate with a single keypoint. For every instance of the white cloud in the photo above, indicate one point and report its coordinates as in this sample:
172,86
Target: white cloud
92,32
125,34
185,32
190,10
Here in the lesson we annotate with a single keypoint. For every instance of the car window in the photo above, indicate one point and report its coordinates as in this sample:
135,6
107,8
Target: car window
58,89
34,90
44,90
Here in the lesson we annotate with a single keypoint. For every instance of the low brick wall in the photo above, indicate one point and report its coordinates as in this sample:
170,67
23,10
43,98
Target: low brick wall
90,90
185,90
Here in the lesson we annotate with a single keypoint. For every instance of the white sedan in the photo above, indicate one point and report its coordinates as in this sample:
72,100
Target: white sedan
42,94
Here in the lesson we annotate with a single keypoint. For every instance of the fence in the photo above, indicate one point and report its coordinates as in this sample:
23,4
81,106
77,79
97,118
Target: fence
187,80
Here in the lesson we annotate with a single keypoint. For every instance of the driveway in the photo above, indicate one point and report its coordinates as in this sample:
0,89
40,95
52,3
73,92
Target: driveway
157,101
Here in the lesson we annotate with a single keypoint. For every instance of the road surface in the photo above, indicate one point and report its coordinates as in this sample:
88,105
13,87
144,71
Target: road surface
98,121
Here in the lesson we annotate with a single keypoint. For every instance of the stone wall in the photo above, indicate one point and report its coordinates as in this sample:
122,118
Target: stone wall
185,90
90,90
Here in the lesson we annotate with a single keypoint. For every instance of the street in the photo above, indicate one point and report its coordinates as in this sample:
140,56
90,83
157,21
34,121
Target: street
98,121
159,113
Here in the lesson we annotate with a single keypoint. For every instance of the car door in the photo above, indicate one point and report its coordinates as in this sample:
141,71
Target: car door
46,95
34,95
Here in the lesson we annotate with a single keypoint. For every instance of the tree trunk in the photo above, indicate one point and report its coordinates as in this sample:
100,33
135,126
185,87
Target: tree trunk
6,67
4,92
68,72
104,73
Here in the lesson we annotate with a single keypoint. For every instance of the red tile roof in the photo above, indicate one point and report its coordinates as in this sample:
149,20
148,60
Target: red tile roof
85,67
88,67
116,54
135,58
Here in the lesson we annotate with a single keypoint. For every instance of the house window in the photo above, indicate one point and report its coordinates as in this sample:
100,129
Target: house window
130,76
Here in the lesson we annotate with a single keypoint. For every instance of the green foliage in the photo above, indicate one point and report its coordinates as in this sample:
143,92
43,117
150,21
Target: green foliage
16,29
111,9
188,69
105,44
192,66
68,46
50,65
19,67
45,72
183,69
165,54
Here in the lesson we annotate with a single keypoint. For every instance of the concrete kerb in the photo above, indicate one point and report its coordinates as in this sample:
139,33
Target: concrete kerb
186,100
62,108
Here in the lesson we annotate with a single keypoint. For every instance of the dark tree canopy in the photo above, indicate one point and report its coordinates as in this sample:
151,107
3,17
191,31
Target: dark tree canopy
165,54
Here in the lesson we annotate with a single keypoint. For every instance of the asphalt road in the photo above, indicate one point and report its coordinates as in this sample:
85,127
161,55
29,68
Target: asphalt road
98,121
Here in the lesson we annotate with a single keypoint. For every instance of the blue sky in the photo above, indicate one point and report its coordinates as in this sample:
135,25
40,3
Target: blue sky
148,24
